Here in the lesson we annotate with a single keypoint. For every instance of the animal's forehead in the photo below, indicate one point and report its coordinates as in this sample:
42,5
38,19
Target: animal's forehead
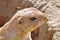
29,12
25,12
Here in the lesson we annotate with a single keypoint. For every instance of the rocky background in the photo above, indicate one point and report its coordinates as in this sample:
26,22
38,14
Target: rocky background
52,10
50,7
9,7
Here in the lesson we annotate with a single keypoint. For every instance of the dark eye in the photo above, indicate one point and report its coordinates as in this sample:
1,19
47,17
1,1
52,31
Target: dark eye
33,18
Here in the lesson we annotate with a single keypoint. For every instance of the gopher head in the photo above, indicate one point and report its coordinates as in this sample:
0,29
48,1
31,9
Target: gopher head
28,19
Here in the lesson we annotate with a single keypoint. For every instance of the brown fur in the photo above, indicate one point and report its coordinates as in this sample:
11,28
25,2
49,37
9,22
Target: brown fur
19,26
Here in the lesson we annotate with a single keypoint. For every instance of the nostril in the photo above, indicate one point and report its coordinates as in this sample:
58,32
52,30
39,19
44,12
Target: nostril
33,18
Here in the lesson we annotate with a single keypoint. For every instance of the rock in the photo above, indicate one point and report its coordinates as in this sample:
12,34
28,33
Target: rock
9,7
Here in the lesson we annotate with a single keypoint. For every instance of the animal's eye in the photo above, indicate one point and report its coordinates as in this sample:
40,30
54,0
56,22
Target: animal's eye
33,18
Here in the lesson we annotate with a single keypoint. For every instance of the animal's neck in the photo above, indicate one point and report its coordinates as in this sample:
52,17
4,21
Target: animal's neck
9,32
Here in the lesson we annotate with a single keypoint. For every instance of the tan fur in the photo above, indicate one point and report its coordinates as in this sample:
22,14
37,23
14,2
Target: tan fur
19,26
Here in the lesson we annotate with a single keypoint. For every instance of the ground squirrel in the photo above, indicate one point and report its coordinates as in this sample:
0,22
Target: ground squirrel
23,22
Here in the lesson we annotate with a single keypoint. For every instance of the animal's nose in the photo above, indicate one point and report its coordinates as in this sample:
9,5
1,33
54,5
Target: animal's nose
33,18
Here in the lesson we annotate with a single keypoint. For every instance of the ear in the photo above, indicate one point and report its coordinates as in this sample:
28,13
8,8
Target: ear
19,20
